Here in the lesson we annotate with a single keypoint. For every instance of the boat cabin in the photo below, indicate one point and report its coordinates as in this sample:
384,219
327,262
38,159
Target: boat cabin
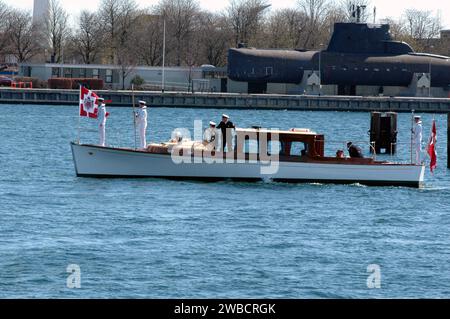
292,143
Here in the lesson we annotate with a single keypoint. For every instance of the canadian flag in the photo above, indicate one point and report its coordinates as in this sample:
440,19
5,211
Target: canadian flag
88,103
432,147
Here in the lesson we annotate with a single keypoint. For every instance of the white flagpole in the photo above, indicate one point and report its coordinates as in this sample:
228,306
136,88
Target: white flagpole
79,116
134,118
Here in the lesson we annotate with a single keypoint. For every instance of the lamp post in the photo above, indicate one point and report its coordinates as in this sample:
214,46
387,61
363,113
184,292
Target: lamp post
429,72
320,68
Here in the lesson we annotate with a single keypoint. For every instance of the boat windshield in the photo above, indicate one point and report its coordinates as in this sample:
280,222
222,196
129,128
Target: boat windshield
298,149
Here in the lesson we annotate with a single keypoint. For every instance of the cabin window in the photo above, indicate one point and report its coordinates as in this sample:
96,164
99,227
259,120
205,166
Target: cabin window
251,146
298,149
269,70
274,148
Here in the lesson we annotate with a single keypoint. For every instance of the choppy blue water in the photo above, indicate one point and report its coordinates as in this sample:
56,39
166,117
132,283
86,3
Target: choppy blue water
165,239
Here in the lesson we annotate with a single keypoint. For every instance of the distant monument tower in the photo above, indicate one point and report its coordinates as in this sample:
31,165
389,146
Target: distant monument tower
40,10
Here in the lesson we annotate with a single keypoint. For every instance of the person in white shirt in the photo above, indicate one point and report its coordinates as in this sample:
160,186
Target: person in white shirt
141,118
210,133
102,115
209,137
418,135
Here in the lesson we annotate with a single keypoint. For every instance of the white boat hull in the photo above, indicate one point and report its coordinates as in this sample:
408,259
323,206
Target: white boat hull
94,161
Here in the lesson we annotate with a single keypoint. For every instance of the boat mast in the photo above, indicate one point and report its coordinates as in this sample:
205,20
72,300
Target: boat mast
79,117
134,117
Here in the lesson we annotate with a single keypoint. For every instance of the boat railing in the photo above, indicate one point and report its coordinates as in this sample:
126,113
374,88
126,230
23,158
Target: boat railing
408,145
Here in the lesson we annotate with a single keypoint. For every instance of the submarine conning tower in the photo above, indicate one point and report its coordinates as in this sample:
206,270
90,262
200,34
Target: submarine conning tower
361,38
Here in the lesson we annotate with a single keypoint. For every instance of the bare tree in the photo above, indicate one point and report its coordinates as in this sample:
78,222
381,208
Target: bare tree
5,12
315,12
126,22
148,39
24,37
245,17
88,39
215,38
422,27
127,63
109,12
118,17
276,30
286,28
397,29
57,30
181,17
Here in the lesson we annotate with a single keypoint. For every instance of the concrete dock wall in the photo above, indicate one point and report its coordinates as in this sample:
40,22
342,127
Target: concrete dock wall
232,101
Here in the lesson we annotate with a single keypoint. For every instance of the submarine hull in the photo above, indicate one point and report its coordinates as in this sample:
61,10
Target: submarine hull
271,66
358,54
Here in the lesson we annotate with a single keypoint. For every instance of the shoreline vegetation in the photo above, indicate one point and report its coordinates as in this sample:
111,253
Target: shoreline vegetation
119,32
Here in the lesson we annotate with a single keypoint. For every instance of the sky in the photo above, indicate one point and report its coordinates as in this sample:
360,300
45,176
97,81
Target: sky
385,8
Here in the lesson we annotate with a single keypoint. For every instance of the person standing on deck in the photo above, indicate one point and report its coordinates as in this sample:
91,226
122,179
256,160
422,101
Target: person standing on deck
141,118
225,126
102,115
209,137
418,136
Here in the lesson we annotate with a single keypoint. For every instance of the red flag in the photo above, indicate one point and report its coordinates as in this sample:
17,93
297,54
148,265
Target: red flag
432,148
88,103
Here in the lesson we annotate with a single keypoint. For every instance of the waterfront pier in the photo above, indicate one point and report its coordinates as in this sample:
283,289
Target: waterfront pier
233,101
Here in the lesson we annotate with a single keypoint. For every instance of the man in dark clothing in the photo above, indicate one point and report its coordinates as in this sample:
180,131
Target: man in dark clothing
354,151
225,126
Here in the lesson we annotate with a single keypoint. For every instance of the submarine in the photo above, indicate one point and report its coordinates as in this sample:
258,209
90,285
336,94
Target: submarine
358,54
